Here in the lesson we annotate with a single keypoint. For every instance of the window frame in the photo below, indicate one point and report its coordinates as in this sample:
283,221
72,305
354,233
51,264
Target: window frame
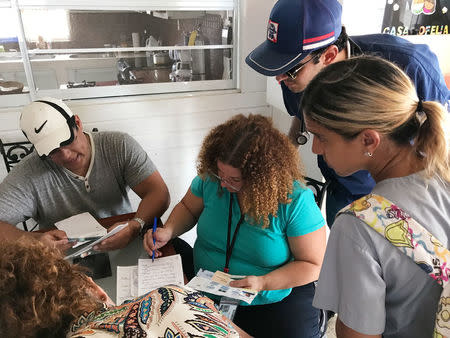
191,87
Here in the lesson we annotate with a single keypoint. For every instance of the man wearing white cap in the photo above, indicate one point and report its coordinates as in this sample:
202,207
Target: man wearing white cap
72,171
303,37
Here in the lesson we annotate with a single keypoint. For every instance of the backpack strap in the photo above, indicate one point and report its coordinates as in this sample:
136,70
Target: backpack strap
413,240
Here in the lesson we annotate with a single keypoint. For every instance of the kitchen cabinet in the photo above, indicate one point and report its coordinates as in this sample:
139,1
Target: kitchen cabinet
99,48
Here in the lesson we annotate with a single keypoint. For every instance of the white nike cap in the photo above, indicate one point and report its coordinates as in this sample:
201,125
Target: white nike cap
48,123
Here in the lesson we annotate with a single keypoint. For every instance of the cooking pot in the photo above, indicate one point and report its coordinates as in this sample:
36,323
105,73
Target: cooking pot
161,75
182,71
161,58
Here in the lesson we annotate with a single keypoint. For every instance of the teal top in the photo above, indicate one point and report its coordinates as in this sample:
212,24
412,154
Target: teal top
257,251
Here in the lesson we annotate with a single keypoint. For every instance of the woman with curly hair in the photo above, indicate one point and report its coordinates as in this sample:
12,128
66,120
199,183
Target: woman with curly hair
40,292
256,218
44,296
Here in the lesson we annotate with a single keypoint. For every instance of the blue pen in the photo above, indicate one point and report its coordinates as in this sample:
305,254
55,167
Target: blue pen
153,234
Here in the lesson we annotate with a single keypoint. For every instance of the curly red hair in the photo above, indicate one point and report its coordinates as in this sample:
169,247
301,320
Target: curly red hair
268,161
40,292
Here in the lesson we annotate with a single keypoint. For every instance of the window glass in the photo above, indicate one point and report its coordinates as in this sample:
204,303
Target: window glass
8,28
85,52
42,26
12,73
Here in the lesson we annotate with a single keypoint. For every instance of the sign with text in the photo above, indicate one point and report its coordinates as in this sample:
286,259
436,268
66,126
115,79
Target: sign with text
416,17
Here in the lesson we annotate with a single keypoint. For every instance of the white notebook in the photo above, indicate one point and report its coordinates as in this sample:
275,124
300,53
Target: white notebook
81,225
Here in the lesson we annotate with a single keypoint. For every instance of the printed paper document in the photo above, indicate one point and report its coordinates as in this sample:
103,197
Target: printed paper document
127,280
218,283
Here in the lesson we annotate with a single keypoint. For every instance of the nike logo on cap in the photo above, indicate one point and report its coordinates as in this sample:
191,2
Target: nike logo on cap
38,130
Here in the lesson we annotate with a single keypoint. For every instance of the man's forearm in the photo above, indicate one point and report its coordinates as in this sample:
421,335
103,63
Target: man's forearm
9,232
153,205
53,238
155,198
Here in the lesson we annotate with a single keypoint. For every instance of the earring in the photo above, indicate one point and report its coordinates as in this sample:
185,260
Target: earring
368,153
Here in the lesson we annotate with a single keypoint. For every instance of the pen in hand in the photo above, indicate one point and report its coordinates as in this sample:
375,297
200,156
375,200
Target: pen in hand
153,235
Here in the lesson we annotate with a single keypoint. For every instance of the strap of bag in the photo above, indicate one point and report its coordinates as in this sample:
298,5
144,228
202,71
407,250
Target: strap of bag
413,240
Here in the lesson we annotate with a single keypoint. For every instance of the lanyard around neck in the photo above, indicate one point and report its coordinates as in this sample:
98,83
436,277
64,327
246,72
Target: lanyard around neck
230,246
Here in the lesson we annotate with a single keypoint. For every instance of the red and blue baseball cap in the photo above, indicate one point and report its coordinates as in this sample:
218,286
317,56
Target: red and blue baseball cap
295,29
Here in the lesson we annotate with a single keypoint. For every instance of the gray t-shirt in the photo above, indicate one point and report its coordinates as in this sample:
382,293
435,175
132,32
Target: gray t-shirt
375,288
47,192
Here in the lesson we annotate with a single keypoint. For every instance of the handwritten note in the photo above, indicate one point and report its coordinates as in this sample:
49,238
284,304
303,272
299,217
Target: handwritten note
163,271
127,280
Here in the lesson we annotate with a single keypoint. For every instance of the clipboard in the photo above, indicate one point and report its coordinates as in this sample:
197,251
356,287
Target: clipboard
91,245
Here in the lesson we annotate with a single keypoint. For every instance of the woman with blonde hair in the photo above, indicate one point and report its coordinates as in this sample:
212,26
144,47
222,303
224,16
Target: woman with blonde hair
254,218
364,113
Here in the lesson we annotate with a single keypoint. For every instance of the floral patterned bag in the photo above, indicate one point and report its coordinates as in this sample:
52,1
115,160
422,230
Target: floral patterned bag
412,239
170,311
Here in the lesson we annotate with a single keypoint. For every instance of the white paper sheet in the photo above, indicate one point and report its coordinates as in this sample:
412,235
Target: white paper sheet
81,225
127,279
163,271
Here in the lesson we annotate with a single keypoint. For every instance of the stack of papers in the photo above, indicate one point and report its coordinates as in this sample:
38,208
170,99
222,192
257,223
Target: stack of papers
137,280
218,283
81,226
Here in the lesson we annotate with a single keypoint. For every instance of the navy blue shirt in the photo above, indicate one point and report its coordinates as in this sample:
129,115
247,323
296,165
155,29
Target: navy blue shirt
421,65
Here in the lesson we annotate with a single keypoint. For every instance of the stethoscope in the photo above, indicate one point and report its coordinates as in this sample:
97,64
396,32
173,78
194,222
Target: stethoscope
303,135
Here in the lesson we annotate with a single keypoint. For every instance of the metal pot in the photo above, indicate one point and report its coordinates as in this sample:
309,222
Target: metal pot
183,71
161,58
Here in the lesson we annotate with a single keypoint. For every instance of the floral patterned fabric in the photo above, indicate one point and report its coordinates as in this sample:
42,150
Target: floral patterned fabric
169,312
414,241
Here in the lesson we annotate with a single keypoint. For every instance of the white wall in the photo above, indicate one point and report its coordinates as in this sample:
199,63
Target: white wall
171,127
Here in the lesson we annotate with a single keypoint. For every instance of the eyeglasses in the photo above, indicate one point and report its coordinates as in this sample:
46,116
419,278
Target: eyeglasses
292,73
226,181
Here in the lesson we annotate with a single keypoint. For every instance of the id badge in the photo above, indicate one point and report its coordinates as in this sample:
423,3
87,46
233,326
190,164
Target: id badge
228,307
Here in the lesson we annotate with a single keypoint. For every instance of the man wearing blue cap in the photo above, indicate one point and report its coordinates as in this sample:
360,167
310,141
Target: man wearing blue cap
304,36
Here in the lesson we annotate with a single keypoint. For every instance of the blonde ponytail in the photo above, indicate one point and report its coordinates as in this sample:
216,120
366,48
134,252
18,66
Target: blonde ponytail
432,141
